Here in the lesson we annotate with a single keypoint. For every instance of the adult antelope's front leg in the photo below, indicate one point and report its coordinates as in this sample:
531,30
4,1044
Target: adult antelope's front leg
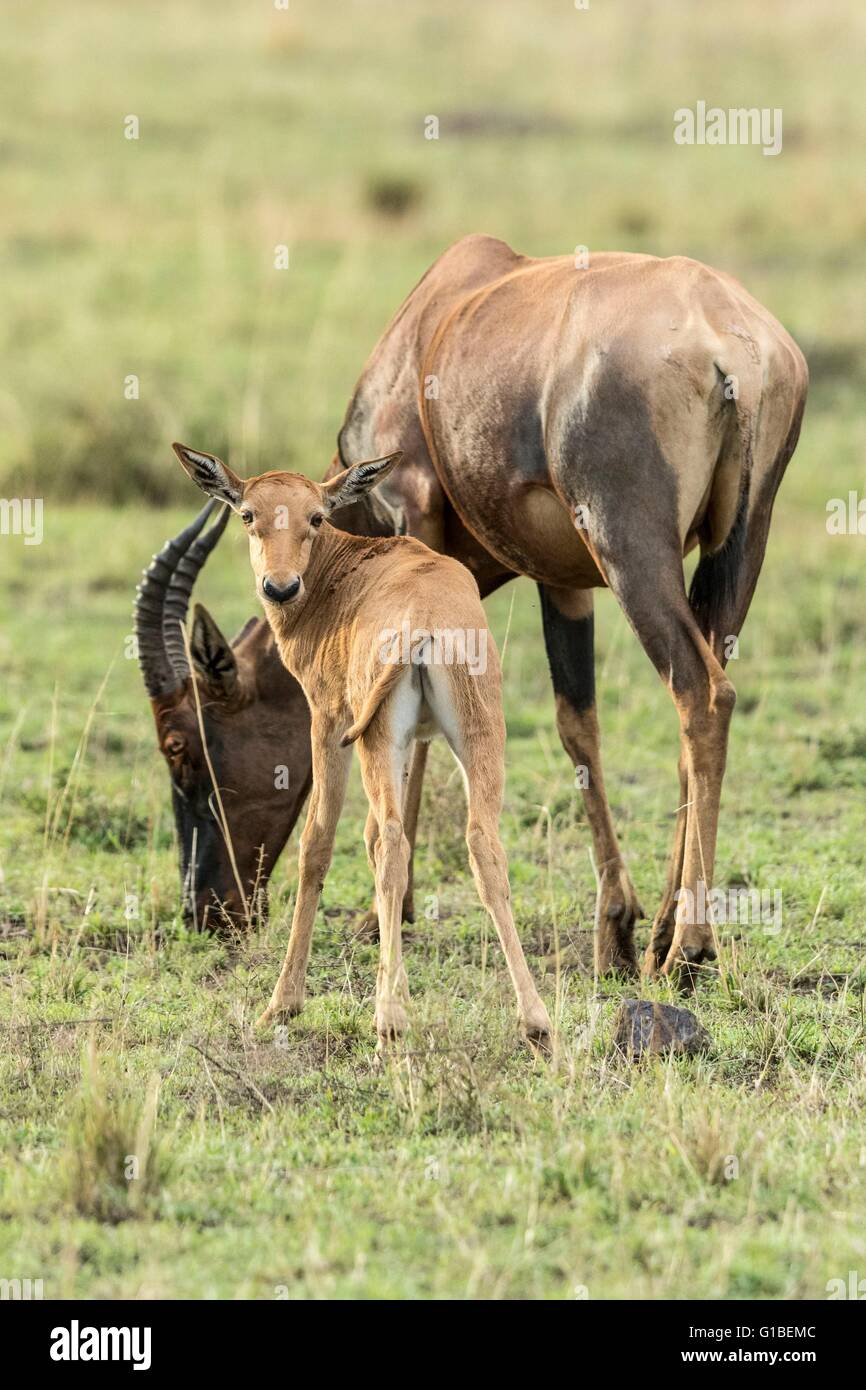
330,774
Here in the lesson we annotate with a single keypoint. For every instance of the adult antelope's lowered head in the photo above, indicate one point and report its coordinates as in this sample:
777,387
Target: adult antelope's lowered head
234,728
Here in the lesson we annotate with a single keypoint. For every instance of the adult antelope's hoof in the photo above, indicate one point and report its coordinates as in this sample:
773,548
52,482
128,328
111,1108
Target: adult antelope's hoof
616,914
539,1041
659,947
621,961
683,964
654,958
367,928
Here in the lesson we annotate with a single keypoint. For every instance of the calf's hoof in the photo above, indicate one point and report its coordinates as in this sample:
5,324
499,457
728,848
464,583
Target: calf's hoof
392,1022
536,1030
279,1013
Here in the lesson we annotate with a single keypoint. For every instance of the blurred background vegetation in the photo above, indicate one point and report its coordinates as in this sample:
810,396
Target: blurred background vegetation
260,127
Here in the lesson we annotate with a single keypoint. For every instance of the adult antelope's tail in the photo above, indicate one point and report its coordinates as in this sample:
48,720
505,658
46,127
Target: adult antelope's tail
715,582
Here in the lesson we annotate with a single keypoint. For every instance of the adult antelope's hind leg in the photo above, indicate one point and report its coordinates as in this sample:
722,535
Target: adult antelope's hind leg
719,599
655,604
569,638
330,774
664,921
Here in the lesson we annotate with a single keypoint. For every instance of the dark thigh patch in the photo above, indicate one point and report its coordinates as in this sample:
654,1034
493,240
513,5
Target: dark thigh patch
570,653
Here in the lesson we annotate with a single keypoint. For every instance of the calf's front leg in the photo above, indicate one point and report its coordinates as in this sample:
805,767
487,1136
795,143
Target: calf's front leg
330,774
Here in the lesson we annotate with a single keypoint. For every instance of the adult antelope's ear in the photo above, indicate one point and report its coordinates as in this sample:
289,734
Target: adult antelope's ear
355,482
212,475
211,654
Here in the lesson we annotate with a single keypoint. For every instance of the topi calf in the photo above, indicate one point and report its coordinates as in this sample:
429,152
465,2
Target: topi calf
340,607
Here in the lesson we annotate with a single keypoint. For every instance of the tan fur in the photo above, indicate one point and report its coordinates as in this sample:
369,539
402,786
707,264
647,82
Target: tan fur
348,594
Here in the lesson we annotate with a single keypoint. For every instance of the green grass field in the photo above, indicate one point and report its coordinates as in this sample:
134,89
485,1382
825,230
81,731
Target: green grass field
462,1169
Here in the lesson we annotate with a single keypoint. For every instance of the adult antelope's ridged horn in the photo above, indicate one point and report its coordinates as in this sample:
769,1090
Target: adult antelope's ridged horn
162,600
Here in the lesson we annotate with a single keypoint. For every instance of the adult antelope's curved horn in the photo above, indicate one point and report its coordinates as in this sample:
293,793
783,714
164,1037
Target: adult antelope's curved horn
179,590
157,661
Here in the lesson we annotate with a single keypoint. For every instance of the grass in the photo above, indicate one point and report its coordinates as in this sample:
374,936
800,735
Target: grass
464,1169
298,1167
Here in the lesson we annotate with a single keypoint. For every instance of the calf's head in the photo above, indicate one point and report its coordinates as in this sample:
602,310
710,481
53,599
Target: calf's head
231,719
283,513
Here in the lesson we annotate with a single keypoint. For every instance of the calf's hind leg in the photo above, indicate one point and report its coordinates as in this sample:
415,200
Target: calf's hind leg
388,851
481,758
490,870
368,927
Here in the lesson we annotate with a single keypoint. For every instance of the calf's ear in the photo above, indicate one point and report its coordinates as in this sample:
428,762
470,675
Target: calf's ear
210,474
355,482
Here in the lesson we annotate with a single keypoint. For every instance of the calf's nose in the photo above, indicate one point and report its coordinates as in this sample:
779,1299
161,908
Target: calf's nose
280,593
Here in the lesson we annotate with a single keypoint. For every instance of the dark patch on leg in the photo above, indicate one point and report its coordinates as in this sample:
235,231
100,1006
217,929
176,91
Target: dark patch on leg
716,581
570,653
606,458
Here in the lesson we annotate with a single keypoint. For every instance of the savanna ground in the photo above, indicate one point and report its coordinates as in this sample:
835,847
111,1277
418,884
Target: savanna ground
464,1169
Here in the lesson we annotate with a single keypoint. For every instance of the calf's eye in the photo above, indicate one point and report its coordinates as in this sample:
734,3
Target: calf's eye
246,518
316,520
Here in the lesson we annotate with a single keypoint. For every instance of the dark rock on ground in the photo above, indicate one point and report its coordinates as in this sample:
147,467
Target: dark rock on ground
644,1027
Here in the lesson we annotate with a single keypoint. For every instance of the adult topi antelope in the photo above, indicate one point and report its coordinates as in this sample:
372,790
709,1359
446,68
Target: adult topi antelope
335,602
588,427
